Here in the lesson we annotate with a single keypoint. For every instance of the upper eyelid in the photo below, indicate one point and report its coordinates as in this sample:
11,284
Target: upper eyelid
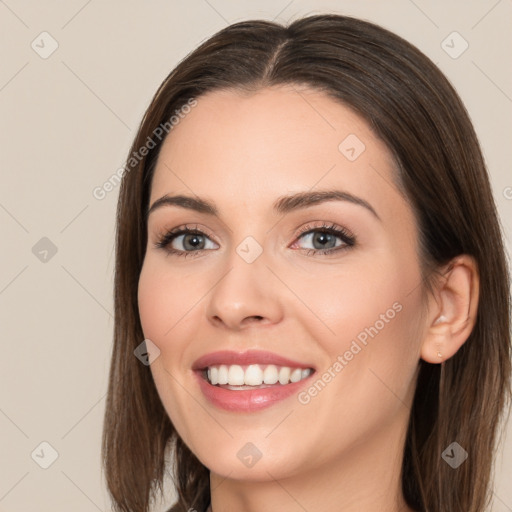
308,226
306,229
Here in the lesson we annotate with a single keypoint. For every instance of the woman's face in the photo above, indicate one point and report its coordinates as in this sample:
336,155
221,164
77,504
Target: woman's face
329,286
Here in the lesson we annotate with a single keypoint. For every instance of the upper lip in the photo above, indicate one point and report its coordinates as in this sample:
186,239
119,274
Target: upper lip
229,357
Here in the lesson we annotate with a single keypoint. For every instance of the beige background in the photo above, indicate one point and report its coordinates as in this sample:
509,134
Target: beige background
66,124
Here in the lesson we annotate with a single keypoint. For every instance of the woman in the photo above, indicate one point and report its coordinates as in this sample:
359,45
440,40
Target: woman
310,262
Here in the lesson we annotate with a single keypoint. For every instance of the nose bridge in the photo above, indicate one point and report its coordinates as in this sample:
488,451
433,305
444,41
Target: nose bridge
247,289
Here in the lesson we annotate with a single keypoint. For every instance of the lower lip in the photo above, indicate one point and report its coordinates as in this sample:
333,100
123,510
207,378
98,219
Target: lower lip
251,399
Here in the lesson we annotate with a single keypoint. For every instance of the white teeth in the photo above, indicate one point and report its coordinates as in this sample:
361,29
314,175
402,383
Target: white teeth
223,374
270,375
235,375
296,375
255,375
284,375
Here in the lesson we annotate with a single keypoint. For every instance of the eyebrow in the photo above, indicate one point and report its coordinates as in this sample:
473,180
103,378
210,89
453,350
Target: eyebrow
282,205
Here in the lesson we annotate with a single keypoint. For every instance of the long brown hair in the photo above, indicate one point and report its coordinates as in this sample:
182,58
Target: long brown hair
413,108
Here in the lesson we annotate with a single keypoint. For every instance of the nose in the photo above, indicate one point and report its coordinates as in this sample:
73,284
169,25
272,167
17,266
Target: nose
247,294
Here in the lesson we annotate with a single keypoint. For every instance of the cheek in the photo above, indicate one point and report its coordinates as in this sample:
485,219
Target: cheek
369,317
163,300
153,304
364,296
164,309
371,358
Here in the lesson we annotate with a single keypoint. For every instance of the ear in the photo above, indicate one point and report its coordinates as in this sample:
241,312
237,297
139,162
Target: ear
452,312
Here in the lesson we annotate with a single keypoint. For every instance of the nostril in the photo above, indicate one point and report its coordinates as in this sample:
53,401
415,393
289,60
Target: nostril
254,318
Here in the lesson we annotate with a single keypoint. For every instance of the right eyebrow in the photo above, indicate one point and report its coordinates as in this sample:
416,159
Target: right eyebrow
191,203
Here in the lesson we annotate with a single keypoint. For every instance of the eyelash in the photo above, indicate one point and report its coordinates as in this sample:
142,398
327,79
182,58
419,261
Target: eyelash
332,229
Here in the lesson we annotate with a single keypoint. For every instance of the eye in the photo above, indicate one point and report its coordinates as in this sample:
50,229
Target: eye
187,241
190,241
326,239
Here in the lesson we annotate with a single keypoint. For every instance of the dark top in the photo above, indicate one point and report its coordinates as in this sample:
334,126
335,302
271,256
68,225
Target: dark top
175,508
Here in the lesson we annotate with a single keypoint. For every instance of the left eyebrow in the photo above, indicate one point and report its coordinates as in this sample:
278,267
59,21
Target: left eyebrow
300,200
283,204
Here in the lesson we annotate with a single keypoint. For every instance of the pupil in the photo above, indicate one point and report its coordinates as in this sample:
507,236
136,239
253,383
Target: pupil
195,241
320,238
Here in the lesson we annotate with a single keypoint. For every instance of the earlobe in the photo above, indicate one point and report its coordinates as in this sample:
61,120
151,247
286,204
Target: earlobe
453,313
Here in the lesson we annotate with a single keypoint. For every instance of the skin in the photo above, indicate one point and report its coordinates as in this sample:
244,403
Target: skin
342,451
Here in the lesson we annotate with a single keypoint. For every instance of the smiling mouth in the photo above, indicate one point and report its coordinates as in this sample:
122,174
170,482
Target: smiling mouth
253,376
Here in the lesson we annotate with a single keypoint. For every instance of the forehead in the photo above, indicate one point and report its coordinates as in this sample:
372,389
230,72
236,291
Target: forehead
249,148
